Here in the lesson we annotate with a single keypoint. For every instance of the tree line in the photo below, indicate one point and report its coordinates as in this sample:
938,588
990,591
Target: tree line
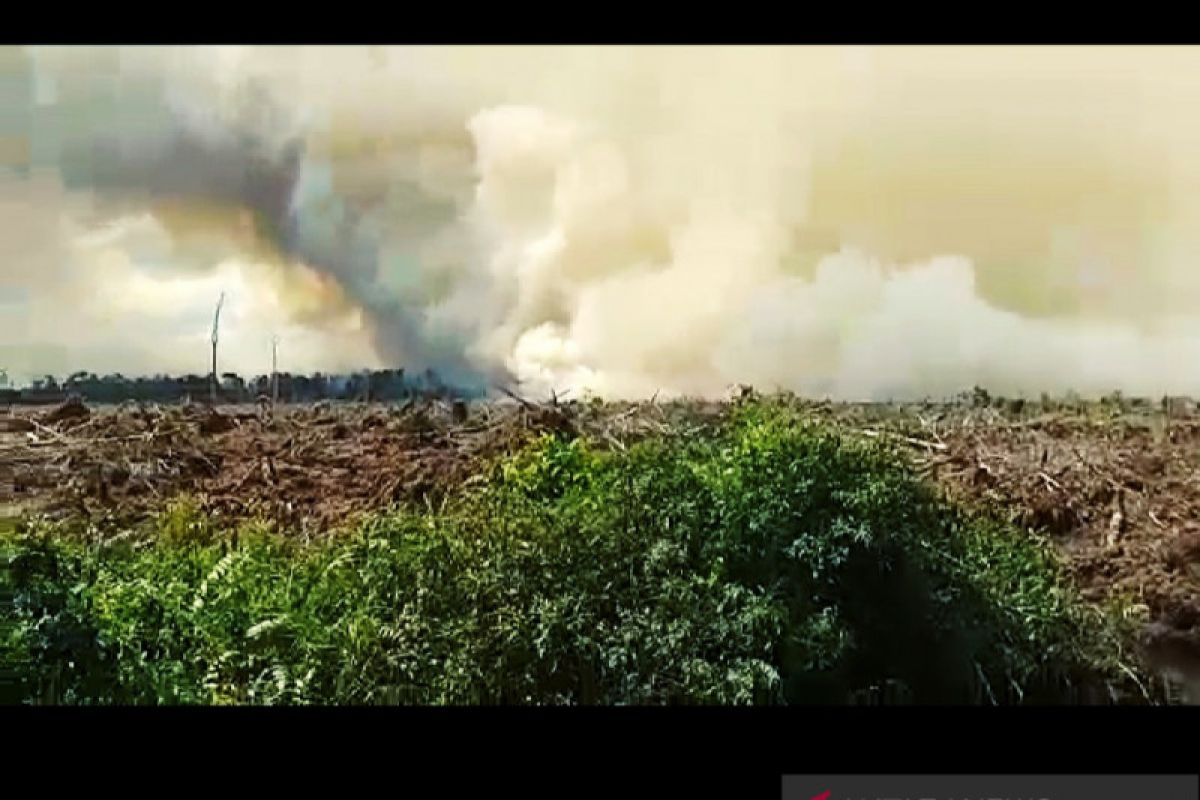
372,385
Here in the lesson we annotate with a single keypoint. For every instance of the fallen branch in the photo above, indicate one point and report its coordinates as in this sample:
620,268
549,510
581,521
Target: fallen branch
931,427
615,441
913,441
516,397
624,415
1053,484
49,431
80,443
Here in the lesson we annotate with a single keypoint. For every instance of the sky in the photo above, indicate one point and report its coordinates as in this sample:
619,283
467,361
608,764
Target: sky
850,222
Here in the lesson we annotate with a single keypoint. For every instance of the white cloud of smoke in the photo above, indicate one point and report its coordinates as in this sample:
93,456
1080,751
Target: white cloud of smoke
851,222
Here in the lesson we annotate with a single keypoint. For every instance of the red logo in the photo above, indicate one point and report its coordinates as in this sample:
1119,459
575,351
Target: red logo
823,796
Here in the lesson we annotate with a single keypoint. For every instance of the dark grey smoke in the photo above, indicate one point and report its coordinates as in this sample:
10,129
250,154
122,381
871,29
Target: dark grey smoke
137,140
229,171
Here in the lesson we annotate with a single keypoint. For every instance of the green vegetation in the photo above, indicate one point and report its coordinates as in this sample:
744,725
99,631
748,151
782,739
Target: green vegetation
774,561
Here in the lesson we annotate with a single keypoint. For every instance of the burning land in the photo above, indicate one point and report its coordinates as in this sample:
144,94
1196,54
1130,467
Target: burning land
1098,499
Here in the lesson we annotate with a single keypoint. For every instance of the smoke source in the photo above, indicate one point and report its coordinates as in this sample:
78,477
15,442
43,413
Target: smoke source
849,222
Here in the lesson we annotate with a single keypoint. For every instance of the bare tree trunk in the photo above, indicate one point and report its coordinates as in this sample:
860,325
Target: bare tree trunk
216,324
214,371
274,371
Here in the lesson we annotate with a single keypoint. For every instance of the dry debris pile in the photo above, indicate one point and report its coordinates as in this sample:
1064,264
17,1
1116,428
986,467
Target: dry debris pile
307,467
312,466
1117,485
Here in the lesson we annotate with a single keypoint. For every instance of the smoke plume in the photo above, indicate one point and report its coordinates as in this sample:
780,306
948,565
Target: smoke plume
849,222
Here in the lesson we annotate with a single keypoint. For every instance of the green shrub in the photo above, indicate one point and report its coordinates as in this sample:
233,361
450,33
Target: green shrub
775,561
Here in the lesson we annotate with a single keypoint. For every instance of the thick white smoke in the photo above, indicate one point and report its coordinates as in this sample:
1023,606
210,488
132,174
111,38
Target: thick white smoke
851,222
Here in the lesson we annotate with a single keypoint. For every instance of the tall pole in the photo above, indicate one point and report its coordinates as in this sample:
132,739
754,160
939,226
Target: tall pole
216,324
274,370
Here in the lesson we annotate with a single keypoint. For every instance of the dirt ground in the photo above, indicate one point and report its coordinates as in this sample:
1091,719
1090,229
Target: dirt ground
1115,484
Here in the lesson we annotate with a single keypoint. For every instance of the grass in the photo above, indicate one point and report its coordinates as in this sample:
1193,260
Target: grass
774,561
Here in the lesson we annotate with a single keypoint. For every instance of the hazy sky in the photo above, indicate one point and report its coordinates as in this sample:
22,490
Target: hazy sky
854,221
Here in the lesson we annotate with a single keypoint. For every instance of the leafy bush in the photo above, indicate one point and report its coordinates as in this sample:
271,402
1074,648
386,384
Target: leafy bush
776,561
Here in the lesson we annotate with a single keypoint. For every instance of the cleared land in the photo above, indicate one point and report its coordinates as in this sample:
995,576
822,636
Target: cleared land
1115,485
